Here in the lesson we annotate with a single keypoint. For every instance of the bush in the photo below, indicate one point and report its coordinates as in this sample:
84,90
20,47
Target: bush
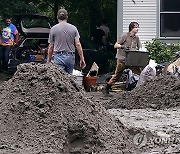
161,52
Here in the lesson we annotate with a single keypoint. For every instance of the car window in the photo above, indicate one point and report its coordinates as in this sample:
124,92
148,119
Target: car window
35,22
34,43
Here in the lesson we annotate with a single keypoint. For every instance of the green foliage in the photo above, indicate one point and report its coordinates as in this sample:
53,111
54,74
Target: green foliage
82,13
174,47
160,51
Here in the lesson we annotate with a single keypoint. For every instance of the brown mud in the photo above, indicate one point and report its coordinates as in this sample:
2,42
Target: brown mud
42,110
151,113
161,93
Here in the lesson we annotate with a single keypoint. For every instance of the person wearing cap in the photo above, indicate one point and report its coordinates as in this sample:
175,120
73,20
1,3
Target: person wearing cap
128,41
63,39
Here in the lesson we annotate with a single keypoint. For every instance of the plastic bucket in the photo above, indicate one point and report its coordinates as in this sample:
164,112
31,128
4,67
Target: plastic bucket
137,58
90,81
79,80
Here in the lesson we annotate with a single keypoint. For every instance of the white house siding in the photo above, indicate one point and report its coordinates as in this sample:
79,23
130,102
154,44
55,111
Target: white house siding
142,11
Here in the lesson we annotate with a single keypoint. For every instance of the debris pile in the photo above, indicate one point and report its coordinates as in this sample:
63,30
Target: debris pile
42,110
160,93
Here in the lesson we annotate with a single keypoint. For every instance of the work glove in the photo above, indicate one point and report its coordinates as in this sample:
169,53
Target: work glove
124,47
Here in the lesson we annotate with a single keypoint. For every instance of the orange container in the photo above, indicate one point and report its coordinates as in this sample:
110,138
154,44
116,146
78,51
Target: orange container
38,57
89,81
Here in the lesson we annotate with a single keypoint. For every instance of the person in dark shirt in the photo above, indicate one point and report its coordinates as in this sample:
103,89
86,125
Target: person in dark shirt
98,36
105,28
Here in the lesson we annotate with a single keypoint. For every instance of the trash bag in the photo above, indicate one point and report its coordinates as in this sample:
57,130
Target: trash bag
148,73
131,79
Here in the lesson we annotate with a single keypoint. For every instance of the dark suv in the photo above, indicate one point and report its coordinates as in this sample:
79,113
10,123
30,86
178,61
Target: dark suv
32,46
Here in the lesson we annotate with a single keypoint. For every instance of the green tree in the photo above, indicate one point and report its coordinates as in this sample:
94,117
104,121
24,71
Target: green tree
83,14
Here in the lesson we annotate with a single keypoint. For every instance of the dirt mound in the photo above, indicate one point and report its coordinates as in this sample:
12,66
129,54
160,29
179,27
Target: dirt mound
160,93
42,110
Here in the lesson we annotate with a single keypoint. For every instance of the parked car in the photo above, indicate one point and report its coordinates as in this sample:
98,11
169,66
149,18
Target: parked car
33,45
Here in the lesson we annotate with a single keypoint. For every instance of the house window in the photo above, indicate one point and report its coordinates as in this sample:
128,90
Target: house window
169,18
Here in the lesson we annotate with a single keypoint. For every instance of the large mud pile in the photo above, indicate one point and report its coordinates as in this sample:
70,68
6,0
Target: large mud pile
42,110
160,93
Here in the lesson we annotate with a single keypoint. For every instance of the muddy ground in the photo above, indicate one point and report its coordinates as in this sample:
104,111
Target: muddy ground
42,110
150,112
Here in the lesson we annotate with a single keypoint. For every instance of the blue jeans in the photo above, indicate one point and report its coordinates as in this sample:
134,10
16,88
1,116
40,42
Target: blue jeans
4,55
65,60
